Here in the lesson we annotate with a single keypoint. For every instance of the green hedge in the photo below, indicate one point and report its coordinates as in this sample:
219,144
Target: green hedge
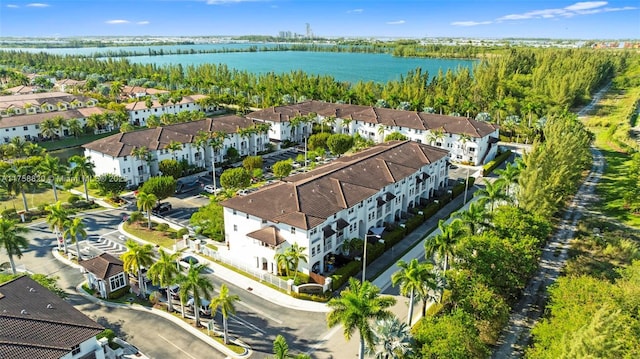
430,210
311,297
342,275
119,293
413,223
393,237
491,165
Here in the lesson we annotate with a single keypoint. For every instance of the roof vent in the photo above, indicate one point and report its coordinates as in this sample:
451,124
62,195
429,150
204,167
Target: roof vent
282,211
24,312
49,306
32,290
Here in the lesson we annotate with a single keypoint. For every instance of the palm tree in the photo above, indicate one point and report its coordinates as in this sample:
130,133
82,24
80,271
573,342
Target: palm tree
392,339
412,278
296,254
491,193
48,128
142,154
12,239
201,142
74,229
216,141
464,138
59,122
435,135
444,244
83,169
174,146
18,146
224,301
281,350
146,202
164,272
153,121
474,218
51,168
135,258
19,178
508,176
75,127
56,219
283,262
356,307
196,285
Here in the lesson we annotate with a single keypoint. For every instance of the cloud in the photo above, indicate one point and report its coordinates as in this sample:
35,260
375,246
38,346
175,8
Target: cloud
576,9
355,11
145,22
12,6
398,22
116,22
471,23
37,4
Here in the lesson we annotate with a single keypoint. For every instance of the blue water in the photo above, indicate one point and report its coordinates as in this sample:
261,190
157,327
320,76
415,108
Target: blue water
351,67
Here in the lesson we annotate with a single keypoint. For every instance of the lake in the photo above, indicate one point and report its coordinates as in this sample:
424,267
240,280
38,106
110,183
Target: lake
351,67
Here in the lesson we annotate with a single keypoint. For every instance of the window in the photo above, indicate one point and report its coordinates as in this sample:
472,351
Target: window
234,212
313,251
25,128
247,215
116,282
75,349
293,230
264,221
235,227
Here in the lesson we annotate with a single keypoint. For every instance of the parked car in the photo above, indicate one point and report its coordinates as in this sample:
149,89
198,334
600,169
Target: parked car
204,306
242,192
188,261
174,291
210,189
162,207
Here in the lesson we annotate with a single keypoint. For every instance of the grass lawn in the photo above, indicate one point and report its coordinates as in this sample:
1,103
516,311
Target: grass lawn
141,231
72,141
40,196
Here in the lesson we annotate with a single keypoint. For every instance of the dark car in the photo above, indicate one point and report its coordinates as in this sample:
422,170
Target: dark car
162,208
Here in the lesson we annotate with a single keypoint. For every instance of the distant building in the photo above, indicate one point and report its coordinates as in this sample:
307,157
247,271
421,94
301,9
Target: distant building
36,323
139,112
467,140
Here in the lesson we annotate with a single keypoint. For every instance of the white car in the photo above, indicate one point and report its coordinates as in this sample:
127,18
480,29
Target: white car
210,189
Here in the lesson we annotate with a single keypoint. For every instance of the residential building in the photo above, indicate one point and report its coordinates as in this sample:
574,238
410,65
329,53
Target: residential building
68,84
139,92
115,154
105,274
36,323
30,104
139,112
319,209
467,140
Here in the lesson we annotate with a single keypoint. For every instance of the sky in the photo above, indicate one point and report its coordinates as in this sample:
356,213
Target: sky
327,18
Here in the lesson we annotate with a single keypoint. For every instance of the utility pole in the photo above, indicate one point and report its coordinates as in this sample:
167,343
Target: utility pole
466,187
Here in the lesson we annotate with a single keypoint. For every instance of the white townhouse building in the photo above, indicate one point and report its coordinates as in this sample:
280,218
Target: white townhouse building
319,209
139,91
467,140
115,154
36,323
31,104
139,112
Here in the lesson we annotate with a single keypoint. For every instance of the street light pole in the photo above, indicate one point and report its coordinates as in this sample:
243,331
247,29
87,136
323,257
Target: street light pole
364,258
466,187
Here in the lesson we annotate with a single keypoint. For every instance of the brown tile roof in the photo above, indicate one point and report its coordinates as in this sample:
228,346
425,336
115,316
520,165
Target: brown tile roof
37,118
38,99
17,90
103,266
138,89
381,116
36,323
308,199
122,144
268,235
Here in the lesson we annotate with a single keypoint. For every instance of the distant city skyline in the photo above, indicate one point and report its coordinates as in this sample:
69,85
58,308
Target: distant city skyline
330,18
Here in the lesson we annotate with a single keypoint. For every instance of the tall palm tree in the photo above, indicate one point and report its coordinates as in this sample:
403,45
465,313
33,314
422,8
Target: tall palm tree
194,283
201,142
12,240
60,122
174,146
19,178
153,121
444,244
356,307
83,169
135,258
146,202
412,277
283,261
164,272
392,339
508,176
435,135
56,219
225,302
48,128
491,194
216,142
296,254
18,146
74,229
75,127
475,218
51,169
142,154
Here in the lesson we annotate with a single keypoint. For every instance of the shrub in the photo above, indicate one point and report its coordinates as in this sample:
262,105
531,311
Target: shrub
491,165
413,223
107,333
430,210
374,251
181,232
393,237
302,278
73,198
10,213
84,204
342,274
162,227
311,297
118,293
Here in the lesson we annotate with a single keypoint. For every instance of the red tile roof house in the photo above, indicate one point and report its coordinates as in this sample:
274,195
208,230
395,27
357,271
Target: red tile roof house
467,140
105,274
36,323
319,209
114,154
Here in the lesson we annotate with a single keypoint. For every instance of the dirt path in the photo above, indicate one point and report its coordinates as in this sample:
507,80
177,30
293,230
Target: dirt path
515,338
